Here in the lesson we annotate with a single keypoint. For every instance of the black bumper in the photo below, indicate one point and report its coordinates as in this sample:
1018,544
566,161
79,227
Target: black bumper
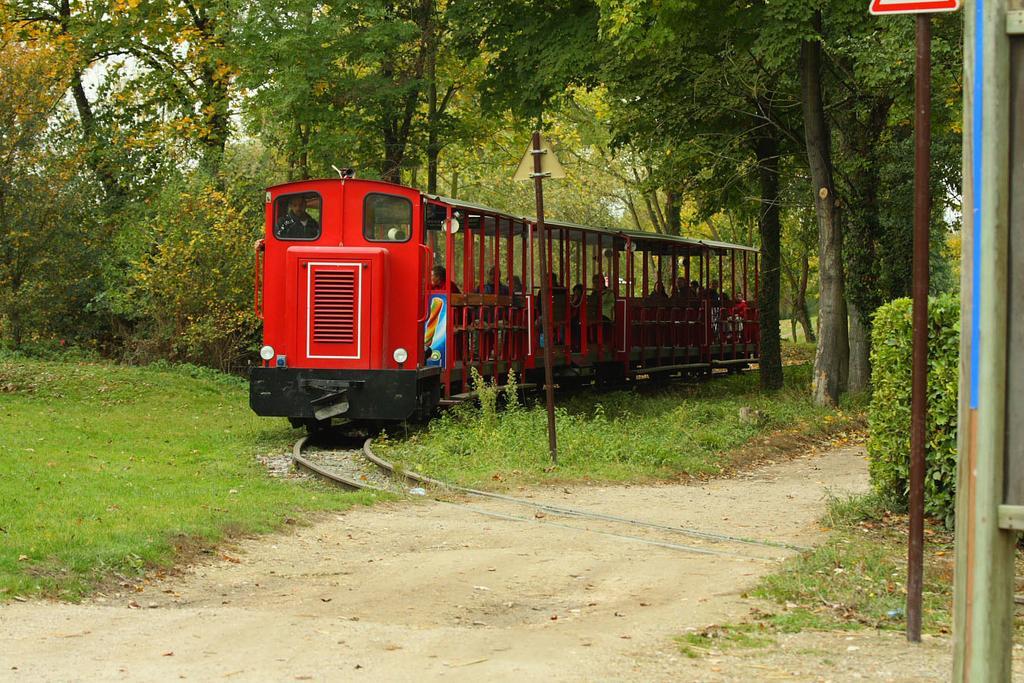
351,394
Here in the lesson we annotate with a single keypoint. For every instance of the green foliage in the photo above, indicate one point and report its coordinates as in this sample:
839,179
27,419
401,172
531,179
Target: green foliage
487,395
108,468
49,239
889,414
511,392
856,578
192,289
649,432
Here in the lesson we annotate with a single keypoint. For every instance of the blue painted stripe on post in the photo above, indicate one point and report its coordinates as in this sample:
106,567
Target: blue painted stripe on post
977,151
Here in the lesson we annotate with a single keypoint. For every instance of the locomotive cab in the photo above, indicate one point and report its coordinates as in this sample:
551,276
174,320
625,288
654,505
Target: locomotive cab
342,338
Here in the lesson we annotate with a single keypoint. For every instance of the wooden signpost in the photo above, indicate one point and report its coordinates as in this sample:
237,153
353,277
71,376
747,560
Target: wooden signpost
539,163
990,477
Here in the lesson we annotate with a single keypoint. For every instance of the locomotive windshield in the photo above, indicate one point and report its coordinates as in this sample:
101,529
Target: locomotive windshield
387,218
297,216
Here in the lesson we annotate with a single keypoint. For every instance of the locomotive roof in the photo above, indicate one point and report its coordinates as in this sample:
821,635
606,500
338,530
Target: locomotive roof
632,234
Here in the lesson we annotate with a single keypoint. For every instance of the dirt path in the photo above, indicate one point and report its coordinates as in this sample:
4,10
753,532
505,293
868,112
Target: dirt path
408,591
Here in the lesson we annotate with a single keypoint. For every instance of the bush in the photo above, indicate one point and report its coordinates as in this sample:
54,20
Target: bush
889,414
190,283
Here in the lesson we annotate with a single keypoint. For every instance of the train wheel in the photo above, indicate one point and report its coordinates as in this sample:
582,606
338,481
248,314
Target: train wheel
314,427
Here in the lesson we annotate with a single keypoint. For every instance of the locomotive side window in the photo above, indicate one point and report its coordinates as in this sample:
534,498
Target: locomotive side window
387,218
297,216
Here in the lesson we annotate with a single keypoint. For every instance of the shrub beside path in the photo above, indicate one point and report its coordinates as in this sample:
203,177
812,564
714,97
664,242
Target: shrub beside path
408,591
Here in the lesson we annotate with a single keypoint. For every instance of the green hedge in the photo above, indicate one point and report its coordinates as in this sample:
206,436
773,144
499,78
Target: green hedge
889,415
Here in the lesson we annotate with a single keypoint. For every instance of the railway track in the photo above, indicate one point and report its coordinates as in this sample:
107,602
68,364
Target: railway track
353,476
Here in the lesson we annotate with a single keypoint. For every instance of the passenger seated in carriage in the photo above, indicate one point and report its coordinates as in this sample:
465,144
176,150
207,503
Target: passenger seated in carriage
439,280
681,296
488,285
696,291
715,294
658,296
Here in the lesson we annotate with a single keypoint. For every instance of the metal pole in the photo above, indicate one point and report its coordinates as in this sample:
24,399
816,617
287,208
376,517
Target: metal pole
545,296
919,373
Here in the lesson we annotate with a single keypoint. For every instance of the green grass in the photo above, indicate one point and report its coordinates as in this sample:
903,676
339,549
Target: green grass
748,635
857,577
106,469
852,581
649,432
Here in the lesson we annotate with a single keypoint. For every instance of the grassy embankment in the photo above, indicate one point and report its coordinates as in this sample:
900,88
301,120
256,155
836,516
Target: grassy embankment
107,469
650,432
856,579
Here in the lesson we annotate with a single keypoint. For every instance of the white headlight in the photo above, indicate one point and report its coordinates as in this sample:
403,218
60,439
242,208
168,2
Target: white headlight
267,352
400,355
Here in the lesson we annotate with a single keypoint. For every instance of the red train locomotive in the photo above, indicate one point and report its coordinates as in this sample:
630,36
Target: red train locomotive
378,300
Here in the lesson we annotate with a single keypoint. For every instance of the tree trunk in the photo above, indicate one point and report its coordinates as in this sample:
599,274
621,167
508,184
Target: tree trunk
433,115
860,349
767,150
830,361
864,228
655,223
394,153
214,89
14,316
433,148
302,163
672,212
803,313
95,157
656,203
792,327
631,204
455,185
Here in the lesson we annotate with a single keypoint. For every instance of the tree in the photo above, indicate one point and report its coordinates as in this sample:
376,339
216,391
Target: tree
719,110
832,357
44,201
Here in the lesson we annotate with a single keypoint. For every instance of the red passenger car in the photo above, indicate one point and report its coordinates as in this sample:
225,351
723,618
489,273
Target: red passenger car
378,300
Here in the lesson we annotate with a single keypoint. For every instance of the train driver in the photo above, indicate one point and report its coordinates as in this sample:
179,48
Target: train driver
297,223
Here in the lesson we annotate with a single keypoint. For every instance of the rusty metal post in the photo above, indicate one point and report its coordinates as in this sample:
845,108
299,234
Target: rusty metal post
919,372
545,296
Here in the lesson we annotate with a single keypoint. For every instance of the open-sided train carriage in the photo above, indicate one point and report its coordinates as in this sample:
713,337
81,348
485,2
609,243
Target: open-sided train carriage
378,301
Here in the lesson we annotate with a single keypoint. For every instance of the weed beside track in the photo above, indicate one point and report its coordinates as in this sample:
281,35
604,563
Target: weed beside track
651,432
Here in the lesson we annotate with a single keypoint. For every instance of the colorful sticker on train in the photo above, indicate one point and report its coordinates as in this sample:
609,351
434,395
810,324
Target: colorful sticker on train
435,329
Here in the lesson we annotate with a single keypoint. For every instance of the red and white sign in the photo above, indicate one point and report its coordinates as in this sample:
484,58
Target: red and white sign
913,6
